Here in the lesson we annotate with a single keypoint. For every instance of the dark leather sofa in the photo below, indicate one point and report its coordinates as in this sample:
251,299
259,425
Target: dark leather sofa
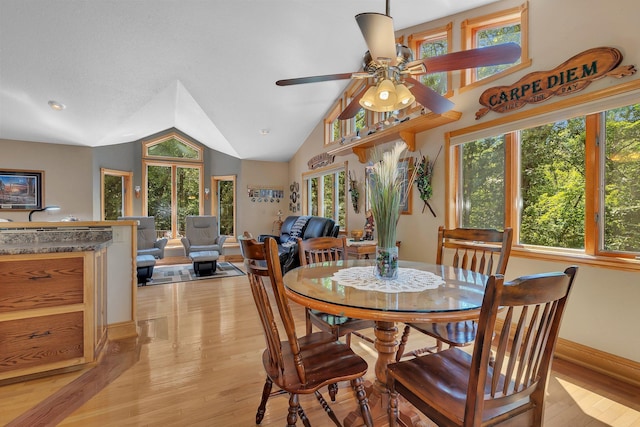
305,227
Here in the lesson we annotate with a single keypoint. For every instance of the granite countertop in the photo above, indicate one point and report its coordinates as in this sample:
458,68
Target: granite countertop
40,241
51,247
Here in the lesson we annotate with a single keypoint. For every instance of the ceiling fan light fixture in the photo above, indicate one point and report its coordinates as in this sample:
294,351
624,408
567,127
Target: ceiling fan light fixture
368,100
386,92
404,96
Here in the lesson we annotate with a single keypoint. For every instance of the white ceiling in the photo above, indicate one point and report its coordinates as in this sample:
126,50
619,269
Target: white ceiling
128,69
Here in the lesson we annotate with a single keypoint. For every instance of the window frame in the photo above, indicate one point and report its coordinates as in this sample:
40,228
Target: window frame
127,186
469,29
174,163
416,39
334,169
593,107
215,203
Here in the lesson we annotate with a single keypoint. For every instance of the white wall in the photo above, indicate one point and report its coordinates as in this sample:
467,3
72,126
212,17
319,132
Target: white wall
558,30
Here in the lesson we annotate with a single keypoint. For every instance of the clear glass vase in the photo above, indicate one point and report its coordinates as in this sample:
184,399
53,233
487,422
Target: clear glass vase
387,262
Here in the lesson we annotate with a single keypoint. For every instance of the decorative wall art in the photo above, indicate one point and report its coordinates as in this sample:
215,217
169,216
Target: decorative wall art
424,173
263,194
355,194
21,190
294,204
405,168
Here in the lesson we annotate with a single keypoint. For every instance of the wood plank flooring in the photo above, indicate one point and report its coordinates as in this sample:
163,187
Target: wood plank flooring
197,362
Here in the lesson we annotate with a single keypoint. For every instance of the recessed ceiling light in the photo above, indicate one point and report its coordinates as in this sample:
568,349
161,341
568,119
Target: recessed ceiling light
264,131
58,106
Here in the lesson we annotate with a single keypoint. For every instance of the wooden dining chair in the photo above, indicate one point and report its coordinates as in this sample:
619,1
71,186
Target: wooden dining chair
455,388
482,250
323,249
296,365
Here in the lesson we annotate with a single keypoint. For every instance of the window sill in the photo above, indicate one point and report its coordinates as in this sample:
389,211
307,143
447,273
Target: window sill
615,263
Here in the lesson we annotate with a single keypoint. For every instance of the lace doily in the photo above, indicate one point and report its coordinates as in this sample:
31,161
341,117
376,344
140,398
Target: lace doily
408,280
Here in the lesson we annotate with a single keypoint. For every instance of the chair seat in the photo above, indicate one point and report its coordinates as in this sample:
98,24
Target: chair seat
446,370
319,351
456,334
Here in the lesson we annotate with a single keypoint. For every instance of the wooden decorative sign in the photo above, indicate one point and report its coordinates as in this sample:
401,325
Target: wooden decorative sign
320,160
572,76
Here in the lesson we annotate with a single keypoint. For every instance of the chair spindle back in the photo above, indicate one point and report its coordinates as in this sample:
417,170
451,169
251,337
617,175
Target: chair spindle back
482,250
322,249
525,340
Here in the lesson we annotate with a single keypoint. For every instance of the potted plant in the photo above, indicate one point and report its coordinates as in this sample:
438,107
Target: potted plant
385,193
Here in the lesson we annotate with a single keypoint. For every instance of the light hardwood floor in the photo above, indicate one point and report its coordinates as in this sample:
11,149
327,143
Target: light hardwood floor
198,363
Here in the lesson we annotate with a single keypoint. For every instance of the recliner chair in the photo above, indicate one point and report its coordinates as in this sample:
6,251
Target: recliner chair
201,234
148,243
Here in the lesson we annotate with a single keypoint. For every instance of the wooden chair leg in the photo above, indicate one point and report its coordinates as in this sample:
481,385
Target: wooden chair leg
327,409
361,395
266,391
403,342
333,391
393,403
303,417
308,324
347,339
294,405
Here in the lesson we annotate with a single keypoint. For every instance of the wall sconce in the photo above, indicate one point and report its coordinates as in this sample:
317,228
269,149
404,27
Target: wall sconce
137,190
206,193
46,208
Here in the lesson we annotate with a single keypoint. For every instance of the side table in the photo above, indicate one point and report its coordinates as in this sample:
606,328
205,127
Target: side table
361,249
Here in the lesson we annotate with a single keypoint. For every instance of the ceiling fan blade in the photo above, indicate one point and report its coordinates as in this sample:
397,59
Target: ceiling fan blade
314,79
377,30
481,57
354,106
429,97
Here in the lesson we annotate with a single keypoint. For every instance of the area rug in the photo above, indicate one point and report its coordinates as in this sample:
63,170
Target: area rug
184,273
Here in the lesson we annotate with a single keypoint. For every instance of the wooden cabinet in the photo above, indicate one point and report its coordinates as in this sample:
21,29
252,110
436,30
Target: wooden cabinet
52,311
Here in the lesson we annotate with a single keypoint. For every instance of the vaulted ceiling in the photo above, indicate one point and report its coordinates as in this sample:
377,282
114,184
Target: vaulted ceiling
128,69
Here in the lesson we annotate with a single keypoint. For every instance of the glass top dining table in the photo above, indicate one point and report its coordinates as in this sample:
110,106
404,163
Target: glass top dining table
458,297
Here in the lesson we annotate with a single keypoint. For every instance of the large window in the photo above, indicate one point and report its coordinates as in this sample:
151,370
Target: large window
325,194
577,186
173,182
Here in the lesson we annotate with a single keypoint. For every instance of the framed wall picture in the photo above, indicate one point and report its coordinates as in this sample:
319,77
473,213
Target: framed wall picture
405,167
21,190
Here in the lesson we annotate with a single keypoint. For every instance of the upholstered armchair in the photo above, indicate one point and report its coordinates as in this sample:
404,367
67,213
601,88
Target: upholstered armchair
148,243
201,234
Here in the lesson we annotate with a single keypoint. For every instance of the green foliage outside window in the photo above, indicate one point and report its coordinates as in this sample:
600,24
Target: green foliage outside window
112,197
328,196
482,183
314,197
188,195
622,180
360,120
159,196
342,199
553,184
173,147
496,36
429,49
226,195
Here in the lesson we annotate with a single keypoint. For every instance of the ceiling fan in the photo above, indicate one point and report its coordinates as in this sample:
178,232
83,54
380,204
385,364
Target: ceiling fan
390,70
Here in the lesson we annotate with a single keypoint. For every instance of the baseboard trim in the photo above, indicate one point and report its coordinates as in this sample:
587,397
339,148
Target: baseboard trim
613,366
122,330
608,364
